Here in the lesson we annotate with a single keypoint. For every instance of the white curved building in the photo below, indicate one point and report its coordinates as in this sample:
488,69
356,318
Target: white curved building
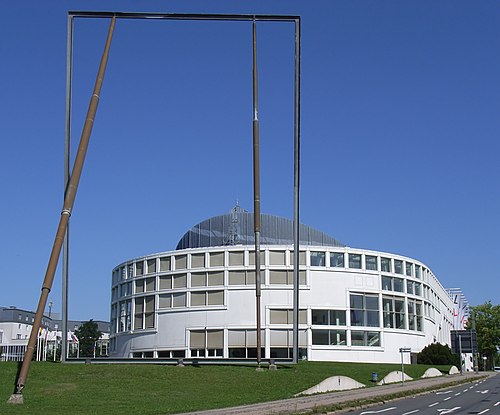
198,301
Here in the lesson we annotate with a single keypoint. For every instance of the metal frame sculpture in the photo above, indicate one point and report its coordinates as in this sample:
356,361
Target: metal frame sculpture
71,180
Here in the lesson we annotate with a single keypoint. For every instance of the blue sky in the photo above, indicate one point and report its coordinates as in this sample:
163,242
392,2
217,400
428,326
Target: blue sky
399,128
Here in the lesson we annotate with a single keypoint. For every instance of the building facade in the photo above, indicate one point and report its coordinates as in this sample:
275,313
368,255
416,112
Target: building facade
198,301
15,330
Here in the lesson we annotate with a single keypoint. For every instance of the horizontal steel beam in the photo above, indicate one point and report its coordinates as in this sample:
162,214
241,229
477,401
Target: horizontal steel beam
183,16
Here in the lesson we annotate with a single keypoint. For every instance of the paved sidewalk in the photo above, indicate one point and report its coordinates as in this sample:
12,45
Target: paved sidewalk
308,403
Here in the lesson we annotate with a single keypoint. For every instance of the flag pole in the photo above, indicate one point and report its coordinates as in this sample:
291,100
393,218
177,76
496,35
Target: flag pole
69,200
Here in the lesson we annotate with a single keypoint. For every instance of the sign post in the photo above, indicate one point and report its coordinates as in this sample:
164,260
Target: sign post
403,350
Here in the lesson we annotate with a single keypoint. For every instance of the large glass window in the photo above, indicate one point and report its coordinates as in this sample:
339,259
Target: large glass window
329,337
394,312
329,317
364,310
415,315
371,263
337,259
317,259
398,284
365,338
355,261
139,268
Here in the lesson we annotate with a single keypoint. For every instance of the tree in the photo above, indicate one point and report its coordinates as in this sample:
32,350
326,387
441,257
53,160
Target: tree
438,354
487,318
87,334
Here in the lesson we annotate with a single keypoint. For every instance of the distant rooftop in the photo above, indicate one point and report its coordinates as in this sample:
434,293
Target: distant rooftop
237,228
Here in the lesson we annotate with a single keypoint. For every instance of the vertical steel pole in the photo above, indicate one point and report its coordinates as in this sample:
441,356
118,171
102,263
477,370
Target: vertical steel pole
296,185
256,191
65,214
67,167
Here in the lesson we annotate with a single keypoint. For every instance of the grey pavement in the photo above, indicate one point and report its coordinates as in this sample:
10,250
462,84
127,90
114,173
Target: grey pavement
305,404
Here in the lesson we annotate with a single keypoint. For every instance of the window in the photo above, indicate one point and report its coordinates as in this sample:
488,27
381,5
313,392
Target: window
364,310
145,285
207,279
329,337
236,258
165,263
151,265
150,284
355,261
302,258
329,317
398,266
371,263
206,343
173,300
365,338
197,260
243,343
409,269
125,289
317,259
125,316
418,289
418,271
285,277
337,259
385,264
130,270
207,298
398,284
415,315
216,259
180,261
276,257
410,287
394,312
277,316
169,282
144,313
282,342
243,277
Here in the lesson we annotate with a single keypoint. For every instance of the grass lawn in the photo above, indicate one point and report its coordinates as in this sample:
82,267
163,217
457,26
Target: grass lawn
53,388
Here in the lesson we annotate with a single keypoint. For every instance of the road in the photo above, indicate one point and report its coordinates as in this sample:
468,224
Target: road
480,397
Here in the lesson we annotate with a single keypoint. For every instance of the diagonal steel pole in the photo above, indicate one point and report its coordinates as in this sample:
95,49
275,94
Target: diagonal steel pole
65,214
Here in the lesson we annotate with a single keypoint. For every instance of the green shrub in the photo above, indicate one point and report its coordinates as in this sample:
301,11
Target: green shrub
438,354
